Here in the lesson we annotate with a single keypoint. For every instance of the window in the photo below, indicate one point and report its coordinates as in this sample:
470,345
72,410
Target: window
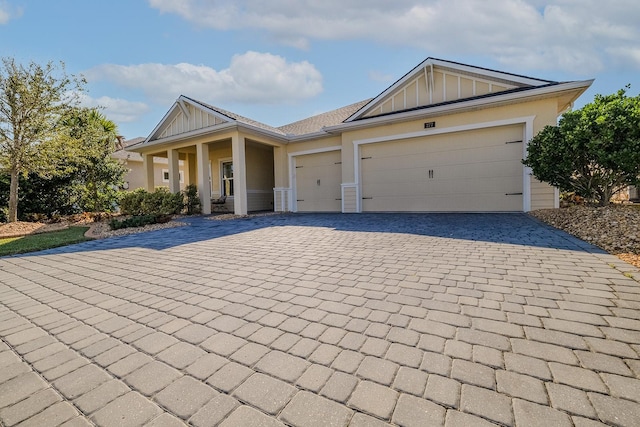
227,178
165,175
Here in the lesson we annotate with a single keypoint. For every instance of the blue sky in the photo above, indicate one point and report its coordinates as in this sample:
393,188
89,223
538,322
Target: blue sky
284,60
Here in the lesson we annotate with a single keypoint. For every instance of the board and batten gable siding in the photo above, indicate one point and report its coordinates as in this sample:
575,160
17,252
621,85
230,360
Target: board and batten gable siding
196,119
441,86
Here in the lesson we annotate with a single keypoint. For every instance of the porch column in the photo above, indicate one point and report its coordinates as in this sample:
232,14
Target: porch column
204,187
147,167
174,171
191,161
239,175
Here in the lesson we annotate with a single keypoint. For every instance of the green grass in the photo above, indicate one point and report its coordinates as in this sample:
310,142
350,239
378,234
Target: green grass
39,242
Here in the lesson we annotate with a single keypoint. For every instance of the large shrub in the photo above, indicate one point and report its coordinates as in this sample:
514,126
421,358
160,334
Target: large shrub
131,202
159,202
192,200
594,152
162,202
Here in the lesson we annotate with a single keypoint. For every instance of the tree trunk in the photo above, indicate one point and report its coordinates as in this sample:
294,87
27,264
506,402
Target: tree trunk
12,216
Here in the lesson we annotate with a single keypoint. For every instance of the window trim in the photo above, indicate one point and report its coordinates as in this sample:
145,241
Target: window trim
221,163
166,171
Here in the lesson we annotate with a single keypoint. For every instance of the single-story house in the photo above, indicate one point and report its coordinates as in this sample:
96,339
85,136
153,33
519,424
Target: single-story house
444,137
135,177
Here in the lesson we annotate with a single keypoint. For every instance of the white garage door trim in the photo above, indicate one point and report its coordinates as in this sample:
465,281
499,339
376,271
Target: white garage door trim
293,204
526,172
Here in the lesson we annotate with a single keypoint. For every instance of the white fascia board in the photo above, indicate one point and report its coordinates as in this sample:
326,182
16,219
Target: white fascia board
206,109
390,89
455,107
162,121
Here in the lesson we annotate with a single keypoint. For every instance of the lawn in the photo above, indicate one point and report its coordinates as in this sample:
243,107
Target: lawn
38,242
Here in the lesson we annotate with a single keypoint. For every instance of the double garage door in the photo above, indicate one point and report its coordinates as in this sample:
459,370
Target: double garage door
471,171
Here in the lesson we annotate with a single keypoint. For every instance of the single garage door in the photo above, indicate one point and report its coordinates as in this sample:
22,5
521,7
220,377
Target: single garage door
471,171
318,177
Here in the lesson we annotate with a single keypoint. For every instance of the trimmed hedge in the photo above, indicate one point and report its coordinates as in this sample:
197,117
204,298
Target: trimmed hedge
160,202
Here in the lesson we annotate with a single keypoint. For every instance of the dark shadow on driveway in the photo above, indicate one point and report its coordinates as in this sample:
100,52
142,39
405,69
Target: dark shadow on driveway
505,228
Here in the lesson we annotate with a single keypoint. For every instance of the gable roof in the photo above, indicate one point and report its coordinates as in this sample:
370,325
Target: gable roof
437,82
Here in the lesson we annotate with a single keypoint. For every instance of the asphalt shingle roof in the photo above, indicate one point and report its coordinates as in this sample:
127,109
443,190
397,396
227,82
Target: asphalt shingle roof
237,117
316,123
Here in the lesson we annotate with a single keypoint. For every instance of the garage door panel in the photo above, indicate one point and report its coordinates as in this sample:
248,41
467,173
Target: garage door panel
318,178
445,203
466,171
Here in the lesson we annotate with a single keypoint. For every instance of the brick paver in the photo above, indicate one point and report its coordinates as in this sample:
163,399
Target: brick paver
305,320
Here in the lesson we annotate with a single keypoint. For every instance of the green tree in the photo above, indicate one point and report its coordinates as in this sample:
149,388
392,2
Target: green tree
92,138
32,100
594,151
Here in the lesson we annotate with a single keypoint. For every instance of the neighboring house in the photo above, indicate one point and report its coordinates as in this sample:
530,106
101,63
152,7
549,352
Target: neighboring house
134,177
445,137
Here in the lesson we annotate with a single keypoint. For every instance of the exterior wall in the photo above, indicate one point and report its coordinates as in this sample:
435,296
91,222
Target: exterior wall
260,177
543,196
135,176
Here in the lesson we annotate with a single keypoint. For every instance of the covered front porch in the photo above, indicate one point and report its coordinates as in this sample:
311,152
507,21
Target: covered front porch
222,154
235,166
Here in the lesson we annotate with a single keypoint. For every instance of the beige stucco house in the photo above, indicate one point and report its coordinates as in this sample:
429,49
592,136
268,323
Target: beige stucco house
444,137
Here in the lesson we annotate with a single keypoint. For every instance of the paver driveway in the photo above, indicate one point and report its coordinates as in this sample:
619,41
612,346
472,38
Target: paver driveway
323,320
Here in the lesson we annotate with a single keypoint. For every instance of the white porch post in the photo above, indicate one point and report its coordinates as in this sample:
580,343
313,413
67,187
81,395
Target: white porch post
191,161
174,171
147,167
204,188
239,175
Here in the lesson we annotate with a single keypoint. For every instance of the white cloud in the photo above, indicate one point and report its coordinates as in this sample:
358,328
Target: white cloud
557,34
252,77
380,77
8,12
117,109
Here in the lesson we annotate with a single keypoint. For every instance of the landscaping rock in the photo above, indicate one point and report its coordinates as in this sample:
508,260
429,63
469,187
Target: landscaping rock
614,228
